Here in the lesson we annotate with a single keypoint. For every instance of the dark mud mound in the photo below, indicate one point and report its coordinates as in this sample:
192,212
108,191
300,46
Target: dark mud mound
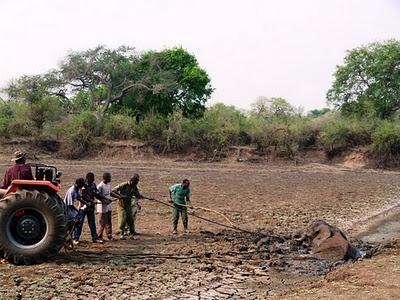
286,254
277,252
314,251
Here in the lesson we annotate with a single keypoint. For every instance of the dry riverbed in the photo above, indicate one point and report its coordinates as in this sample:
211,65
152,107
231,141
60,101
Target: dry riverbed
216,263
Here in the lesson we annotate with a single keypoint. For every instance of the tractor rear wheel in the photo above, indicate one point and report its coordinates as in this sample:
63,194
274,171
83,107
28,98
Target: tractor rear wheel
32,226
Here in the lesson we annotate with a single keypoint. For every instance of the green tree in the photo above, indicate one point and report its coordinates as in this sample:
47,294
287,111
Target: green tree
34,88
316,113
368,82
100,78
47,109
103,76
96,77
272,107
179,82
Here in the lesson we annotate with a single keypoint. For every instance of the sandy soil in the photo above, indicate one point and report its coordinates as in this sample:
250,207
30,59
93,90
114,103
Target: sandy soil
211,263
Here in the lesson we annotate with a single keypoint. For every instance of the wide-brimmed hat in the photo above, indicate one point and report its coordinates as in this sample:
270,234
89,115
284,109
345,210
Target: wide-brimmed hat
18,155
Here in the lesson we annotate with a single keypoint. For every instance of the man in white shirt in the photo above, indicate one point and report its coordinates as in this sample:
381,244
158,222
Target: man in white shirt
105,210
73,197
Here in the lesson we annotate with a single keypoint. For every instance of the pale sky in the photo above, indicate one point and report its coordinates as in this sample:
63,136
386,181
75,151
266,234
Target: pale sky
281,48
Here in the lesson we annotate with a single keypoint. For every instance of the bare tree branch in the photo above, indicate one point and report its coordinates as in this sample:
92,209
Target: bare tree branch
128,88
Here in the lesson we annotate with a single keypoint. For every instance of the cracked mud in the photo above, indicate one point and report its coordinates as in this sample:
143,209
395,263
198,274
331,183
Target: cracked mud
211,262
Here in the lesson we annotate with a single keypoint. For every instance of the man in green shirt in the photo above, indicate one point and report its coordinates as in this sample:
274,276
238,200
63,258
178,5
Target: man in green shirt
179,195
128,205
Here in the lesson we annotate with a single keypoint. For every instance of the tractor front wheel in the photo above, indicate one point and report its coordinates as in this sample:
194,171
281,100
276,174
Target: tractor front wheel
32,226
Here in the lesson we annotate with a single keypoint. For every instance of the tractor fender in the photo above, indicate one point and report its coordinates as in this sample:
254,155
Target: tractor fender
47,186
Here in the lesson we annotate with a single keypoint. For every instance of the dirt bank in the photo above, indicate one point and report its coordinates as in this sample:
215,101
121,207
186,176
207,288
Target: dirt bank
127,150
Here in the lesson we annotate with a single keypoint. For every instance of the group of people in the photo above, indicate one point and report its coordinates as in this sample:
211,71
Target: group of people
84,198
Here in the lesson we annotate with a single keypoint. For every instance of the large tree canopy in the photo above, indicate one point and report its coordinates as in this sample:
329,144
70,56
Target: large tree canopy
122,79
369,81
179,81
272,107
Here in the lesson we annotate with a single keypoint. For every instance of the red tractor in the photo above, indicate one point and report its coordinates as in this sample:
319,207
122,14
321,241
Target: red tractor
33,220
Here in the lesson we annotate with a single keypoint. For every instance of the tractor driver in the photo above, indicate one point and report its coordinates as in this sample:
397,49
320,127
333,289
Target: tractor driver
20,170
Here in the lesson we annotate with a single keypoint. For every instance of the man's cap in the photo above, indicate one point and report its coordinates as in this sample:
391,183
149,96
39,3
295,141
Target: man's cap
18,155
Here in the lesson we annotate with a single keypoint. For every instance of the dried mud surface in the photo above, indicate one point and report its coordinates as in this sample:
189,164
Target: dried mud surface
212,262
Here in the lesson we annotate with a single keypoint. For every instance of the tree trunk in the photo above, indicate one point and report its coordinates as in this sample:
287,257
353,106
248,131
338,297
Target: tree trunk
100,119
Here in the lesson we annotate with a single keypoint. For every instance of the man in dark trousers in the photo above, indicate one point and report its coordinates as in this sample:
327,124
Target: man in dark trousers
20,170
86,209
73,198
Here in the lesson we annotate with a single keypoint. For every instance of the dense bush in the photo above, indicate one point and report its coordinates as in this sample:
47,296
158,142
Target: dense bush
220,127
119,127
386,142
22,119
151,129
3,127
303,133
5,115
19,121
338,133
283,137
80,138
46,110
178,134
